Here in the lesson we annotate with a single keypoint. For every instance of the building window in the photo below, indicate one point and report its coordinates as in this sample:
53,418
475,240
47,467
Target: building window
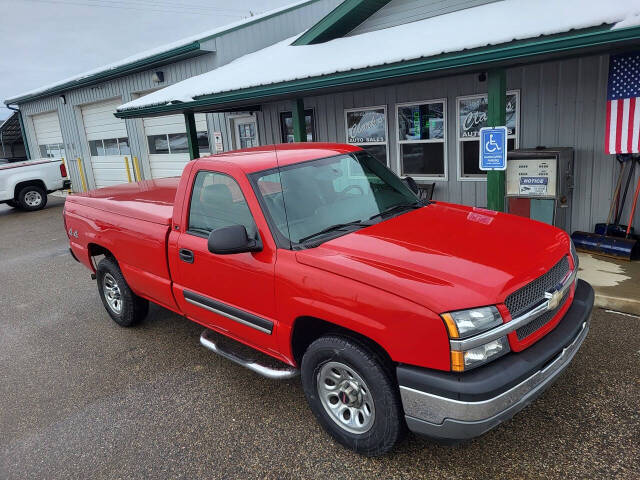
169,143
286,126
109,146
422,139
471,117
367,128
52,150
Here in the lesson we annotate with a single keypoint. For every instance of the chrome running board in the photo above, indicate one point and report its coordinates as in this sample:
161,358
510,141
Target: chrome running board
231,350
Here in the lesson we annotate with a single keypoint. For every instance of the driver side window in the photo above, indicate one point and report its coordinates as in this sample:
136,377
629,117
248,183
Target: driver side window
217,201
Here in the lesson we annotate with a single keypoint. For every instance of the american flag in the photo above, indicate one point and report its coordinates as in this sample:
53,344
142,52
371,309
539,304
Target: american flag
623,104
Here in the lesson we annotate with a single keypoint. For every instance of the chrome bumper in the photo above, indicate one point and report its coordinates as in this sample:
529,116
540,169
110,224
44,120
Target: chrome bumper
443,417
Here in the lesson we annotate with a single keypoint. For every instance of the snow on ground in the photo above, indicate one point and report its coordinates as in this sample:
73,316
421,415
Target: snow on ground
155,51
490,24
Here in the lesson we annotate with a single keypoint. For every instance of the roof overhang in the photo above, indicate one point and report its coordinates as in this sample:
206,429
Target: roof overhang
190,50
569,44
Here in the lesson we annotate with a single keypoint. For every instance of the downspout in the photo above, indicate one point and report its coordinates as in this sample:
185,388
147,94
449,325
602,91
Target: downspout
22,131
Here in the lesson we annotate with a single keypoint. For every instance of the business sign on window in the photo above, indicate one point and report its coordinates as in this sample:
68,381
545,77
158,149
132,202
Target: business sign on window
367,126
473,115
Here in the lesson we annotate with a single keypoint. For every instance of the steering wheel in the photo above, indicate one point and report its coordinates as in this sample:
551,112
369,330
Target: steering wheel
352,187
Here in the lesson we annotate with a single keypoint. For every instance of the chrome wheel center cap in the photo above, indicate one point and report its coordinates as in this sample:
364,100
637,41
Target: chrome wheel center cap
350,394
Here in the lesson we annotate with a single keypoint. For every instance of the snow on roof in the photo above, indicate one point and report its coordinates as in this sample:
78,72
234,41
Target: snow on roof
489,24
158,50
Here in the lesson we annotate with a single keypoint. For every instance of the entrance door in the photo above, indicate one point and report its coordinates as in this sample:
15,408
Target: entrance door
230,293
245,131
48,135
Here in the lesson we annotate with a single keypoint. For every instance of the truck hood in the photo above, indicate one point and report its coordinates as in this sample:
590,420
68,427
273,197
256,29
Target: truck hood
444,256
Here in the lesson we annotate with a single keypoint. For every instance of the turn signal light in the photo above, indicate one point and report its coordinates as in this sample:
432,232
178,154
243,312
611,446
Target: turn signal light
451,325
457,361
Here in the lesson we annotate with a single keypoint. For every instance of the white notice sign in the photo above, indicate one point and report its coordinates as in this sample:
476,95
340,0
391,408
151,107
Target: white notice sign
532,177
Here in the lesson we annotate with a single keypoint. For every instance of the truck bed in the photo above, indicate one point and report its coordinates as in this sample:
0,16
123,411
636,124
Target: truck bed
149,200
131,221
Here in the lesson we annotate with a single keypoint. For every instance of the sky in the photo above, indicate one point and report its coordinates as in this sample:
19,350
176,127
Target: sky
43,41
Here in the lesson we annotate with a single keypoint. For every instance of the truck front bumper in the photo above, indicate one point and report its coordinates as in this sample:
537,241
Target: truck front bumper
459,406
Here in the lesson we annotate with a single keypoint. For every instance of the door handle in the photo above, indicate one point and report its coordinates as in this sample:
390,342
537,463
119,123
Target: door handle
186,255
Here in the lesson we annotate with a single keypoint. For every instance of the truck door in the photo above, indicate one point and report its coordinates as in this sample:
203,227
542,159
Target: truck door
232,293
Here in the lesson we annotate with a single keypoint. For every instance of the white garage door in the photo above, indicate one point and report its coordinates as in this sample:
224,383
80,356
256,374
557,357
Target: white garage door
48,135
168,144
108,143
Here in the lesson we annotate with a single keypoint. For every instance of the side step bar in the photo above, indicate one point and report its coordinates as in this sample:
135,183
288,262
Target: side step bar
276,371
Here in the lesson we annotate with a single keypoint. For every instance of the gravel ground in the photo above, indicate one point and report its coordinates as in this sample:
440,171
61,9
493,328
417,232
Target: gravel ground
81,397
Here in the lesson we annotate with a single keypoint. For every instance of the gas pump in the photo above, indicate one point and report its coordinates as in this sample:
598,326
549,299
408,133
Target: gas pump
539,184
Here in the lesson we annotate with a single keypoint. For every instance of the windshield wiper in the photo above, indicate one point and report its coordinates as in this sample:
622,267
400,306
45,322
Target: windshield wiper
332,228
400,206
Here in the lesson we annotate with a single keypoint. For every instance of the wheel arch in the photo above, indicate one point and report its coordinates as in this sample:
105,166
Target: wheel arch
28,183
306,329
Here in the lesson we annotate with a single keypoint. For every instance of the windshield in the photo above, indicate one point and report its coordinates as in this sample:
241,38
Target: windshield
319,197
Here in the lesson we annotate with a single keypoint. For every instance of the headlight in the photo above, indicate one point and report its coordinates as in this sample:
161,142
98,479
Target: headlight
463,361
466,323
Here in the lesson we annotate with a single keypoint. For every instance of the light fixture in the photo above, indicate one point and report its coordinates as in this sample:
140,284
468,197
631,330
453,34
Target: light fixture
63,99
157,77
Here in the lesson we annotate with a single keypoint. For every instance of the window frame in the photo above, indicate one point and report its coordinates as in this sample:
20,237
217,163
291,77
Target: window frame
166,135
386,129
445,177
60,148
191,190
516,137
118,142
288,113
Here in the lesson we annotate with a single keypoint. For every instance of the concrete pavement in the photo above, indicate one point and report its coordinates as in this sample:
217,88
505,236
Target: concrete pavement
81,397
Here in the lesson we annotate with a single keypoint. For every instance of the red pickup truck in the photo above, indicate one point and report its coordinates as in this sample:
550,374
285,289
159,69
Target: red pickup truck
396,312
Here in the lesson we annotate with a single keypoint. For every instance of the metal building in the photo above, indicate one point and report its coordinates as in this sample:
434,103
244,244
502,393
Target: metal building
74,118
552,71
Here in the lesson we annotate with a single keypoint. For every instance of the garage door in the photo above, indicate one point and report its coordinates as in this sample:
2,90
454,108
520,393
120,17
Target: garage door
48,135
108,143
168,145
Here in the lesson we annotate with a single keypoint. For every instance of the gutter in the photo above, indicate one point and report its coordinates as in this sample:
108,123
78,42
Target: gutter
22,131
481,57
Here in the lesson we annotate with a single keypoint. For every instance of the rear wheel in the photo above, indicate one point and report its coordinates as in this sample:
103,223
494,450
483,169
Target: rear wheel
122,305
353,394
32,198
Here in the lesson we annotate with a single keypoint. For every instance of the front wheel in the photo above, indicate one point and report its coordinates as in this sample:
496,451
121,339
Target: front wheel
352,393
122,305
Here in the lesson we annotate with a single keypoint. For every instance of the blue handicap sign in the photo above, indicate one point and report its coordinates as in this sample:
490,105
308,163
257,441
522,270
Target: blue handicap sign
493,148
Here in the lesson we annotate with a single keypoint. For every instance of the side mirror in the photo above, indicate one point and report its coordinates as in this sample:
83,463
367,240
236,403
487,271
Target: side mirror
411,183
233,239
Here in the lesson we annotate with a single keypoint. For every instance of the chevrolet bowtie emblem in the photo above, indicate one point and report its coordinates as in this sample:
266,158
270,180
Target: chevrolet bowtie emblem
554,299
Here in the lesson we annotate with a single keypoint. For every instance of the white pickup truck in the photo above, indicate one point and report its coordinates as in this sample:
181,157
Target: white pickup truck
25,185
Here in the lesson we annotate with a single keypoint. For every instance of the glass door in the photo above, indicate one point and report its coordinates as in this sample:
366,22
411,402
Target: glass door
246,132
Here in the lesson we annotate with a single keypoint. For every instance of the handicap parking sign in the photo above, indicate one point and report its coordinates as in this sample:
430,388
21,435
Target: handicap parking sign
493,148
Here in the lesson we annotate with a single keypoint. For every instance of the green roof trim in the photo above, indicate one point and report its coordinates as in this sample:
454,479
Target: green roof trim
180,53
340,21
561,43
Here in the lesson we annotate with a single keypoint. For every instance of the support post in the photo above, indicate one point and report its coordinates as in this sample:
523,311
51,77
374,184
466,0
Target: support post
299,124
496,116
192,135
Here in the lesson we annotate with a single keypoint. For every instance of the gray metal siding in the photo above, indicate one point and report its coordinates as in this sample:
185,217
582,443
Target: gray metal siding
398,12
229,46
562,103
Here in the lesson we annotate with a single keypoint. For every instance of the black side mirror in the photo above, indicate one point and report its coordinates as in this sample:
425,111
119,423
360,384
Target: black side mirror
411,183
233,239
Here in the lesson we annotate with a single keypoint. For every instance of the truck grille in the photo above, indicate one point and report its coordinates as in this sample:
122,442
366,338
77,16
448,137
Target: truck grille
533,326
532,294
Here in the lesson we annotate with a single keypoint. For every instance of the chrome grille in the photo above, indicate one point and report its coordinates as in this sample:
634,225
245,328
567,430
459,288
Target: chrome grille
533,326
532,294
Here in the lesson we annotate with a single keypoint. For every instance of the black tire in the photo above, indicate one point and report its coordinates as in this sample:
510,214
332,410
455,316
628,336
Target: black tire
32,198
13,204
388,425
132,308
